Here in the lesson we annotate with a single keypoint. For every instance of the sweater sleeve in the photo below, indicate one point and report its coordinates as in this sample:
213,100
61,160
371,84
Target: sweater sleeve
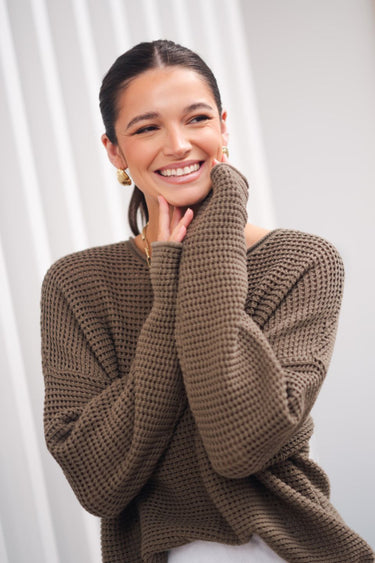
108,434
250,389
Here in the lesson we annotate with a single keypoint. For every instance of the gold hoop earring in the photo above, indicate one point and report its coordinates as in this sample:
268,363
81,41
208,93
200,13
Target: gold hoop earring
225,151
123,177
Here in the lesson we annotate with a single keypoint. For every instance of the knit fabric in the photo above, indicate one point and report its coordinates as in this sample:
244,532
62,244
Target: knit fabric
177,399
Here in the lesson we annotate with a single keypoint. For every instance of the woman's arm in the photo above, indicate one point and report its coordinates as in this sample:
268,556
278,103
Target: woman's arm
249,389
107,434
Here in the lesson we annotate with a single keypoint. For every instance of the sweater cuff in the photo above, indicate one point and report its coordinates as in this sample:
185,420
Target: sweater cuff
226,177
165,263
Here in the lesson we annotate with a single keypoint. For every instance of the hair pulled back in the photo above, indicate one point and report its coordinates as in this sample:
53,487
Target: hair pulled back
142,57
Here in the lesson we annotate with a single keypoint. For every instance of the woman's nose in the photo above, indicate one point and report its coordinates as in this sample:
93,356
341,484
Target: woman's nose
176,142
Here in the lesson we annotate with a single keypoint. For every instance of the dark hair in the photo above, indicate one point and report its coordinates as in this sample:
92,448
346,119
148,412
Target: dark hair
142,57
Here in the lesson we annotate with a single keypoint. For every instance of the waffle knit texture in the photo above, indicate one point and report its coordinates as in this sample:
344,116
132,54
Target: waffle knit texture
177,399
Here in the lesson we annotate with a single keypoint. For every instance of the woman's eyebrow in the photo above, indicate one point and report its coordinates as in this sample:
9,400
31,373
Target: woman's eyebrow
154,114
198,105
142,117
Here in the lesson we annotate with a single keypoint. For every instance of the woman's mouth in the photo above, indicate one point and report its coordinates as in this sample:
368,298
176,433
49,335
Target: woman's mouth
180,171
183,171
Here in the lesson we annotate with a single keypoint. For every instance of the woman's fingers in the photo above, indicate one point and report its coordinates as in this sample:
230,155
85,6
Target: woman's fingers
224,158
172,229
164,219
176,217
179,231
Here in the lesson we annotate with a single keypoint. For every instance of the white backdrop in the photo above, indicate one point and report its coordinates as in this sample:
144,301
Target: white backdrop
59,194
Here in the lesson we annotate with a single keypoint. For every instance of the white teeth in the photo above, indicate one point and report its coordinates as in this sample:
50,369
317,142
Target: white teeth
180,171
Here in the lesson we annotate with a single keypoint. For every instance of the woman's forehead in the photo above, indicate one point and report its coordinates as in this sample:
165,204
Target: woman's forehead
157,88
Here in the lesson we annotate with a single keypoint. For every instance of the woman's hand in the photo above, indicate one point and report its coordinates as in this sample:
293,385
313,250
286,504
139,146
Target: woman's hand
172,230
224,158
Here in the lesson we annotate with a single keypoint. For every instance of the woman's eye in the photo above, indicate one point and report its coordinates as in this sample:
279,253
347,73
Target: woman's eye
145,129
200,118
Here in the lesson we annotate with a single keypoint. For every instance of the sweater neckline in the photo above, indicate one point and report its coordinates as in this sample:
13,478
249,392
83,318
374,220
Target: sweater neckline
261,240
135,249
250,249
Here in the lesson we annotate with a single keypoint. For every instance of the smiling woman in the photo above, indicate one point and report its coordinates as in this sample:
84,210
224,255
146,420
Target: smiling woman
168,132
181,365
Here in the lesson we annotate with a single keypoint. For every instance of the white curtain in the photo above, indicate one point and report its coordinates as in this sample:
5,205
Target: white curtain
59,195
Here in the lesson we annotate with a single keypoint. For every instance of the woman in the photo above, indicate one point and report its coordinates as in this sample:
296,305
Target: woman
181,366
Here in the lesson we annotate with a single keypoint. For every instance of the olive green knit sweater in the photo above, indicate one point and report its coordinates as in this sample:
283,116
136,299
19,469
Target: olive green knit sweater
177,398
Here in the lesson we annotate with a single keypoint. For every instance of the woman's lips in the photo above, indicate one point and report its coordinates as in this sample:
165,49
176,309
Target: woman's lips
181,173
180,170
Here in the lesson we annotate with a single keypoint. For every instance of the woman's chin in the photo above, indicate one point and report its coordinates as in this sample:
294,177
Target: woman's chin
189,199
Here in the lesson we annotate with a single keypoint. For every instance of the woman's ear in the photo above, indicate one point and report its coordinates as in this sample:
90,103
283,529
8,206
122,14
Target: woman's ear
224,129
114,154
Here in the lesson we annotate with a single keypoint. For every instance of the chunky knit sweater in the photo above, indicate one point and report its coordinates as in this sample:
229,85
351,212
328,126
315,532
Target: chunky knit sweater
178,398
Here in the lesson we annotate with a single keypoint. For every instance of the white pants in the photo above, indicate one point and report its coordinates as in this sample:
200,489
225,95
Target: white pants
256,550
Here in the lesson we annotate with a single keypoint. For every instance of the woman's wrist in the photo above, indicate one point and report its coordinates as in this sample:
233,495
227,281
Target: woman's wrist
165,261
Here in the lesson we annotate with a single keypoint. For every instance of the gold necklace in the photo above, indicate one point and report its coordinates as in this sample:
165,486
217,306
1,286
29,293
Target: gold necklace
146,245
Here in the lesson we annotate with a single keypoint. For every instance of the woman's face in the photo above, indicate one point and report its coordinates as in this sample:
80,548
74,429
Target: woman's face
169,131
